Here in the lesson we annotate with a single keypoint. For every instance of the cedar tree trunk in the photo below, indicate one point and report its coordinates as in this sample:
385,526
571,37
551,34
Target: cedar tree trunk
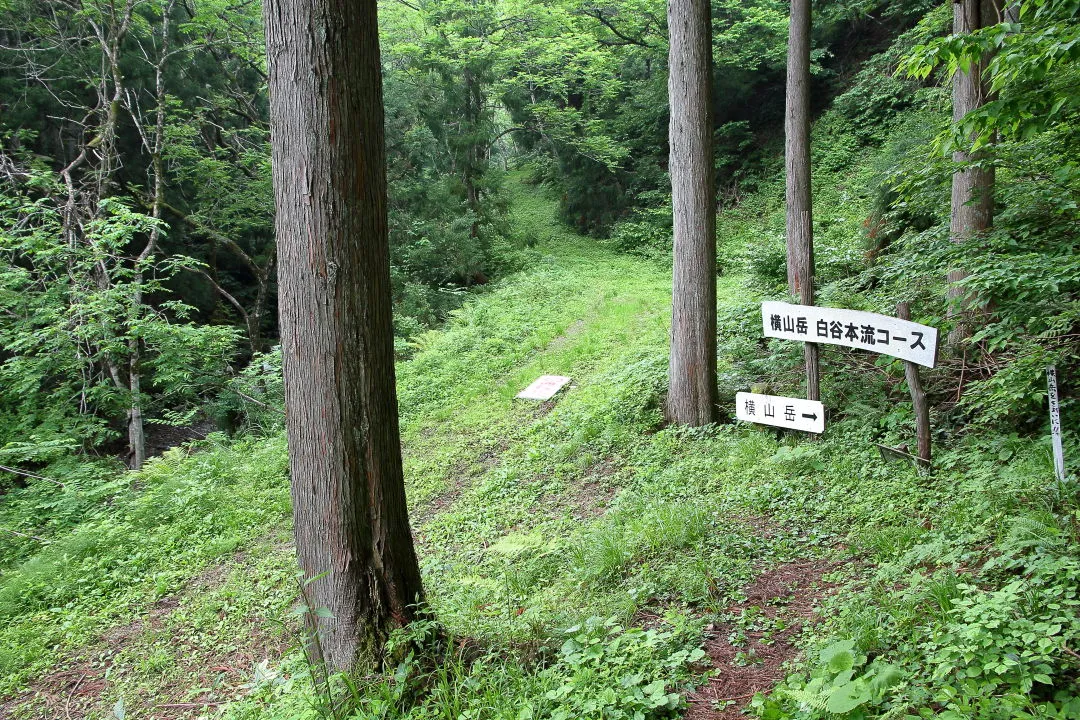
800,228
972,187
352,526
692,368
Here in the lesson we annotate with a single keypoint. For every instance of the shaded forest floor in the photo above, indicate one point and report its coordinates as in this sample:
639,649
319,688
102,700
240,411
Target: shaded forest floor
586,560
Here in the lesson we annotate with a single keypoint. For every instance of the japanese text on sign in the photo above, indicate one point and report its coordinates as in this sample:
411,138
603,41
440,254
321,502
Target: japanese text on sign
783,412
851,328
1055,422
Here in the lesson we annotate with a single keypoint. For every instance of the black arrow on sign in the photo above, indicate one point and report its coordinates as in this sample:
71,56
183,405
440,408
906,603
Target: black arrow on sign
809,416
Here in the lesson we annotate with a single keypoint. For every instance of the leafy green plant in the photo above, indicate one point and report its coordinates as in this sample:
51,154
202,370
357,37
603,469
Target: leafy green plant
1030,63
1005,648
604,669
648,234
77,335
254,399
841,685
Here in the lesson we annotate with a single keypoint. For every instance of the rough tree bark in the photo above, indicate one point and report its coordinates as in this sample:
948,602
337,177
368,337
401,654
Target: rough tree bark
800,228
692,369
329,174
972,187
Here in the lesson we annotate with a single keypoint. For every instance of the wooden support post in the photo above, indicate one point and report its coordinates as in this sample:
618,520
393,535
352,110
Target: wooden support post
918,397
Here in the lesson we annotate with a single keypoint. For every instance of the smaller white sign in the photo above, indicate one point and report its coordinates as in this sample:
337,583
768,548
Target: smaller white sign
852,328
782,412
544,387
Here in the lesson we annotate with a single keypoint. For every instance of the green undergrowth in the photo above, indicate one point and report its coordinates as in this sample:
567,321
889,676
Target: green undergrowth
153,531
589,514
574,551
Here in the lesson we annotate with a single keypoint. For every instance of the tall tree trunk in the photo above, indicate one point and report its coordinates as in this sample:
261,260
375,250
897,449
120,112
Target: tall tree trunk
89,174
351,523
154,143
800,226
474,165
692,368
972,187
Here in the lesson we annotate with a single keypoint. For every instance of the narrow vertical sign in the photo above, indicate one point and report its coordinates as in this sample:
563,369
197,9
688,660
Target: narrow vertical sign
1055,422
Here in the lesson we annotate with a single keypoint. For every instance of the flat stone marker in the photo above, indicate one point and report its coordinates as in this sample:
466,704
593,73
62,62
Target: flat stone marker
544,387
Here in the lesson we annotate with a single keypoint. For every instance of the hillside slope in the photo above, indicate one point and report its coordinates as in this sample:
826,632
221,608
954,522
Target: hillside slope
193,570
583,560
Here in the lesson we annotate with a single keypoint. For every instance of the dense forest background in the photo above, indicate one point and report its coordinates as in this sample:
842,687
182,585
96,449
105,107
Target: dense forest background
136,133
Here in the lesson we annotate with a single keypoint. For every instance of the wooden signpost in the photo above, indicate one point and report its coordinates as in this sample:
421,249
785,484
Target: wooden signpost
919,404
913,343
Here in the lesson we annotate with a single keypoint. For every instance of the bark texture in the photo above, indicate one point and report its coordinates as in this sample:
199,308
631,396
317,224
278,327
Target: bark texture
973,187
800,228
329,177
692,368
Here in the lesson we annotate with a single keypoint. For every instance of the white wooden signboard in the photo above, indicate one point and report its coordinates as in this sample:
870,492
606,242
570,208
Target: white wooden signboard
544,387
782,412
852,328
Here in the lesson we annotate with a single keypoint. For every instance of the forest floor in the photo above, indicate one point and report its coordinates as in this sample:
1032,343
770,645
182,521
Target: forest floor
587,560
496,488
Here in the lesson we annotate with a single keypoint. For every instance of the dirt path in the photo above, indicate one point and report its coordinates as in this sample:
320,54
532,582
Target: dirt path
750,649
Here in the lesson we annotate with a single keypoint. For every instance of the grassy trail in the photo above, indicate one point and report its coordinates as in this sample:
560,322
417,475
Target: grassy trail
492,479
529,517
574,309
